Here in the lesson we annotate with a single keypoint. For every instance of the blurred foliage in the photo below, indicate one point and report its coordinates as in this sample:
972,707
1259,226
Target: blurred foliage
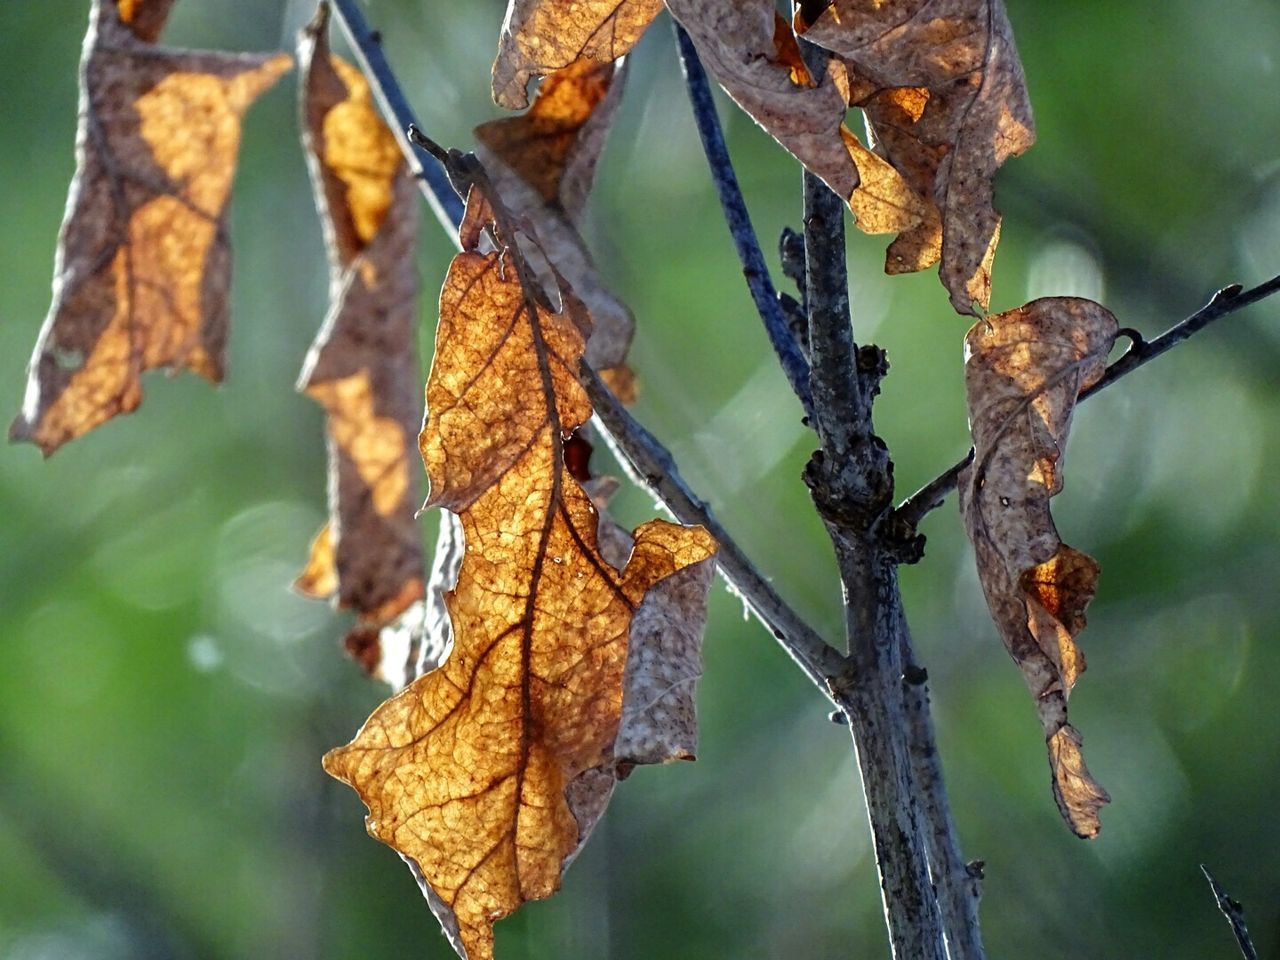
165,698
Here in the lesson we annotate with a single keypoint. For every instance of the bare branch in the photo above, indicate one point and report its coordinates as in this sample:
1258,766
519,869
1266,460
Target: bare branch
736,216
1234,913
655,468
1223,303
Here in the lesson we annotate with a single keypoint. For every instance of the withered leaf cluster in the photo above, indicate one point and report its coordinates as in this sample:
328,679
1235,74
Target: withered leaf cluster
1023,373
939,82
488,772
143,262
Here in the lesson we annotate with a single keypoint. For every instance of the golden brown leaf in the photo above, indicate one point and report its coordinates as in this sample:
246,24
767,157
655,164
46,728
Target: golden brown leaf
540,37
363,366
542,163
753,55
486,773
143,262
1023,372
946,101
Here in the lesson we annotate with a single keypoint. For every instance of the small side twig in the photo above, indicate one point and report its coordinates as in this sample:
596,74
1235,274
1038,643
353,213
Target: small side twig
1234,913
792,360
1223,303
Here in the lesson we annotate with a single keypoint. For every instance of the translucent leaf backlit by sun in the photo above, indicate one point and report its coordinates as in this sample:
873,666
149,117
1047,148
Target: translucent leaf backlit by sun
363,367
946,101
1023,372
143,263
540,37
542,164
487,772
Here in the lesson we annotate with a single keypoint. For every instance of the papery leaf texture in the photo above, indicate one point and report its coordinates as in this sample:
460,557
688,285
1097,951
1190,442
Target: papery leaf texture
540,37
143,265
1024,370
363,367
946,104
542,164
487,773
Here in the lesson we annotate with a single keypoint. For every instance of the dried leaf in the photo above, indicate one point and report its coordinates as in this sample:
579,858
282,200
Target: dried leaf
487,772
542,163
946,102
752,53
540,37
143,262
1023,372
363,367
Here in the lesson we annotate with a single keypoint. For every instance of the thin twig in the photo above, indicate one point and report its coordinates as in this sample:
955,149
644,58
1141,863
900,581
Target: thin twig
1223,303
367,44
736,216
640,449
1234,913
655,468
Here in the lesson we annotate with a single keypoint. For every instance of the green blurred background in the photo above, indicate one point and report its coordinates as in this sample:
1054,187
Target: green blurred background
165,699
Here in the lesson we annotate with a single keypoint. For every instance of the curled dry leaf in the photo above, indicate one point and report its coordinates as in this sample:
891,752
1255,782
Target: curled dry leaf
363,367
753,54
143,263
1023,372
487,772
947,104
542,164
540,37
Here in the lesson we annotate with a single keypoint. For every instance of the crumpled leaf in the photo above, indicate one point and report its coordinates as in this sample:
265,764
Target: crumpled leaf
487,772
363,367
542,163
143,263
540,37
1023,372
753,54
947,104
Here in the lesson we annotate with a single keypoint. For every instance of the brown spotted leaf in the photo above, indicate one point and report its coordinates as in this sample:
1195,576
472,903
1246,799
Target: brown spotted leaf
542,163
1023,372
487,772
143,262
947,104
540,37
753,54
363,368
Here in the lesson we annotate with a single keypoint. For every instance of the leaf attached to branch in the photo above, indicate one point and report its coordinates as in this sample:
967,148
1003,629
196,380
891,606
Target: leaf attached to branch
947,104
143,263
542,164
363,367
488,772
1023,372
540,37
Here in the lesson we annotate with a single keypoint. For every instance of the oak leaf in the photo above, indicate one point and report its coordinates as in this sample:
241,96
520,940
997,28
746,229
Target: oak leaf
487,773
1024,370
143,262
542,164
363,367
946,103
540,37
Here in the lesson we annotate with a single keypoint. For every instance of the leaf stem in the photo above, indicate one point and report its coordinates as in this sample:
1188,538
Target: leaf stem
1225,302
1234,913
790,356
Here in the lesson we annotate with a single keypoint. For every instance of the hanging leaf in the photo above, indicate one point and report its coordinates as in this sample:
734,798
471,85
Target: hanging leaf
542,164
143,263
1023,372
487,773
540,37
363,367
947,104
